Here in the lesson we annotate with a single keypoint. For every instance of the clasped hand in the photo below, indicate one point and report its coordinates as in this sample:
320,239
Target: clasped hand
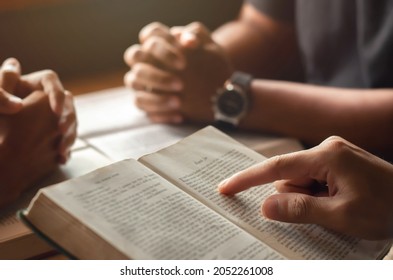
37,127
175,72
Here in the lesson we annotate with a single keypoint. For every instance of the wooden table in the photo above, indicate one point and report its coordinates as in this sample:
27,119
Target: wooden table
95,82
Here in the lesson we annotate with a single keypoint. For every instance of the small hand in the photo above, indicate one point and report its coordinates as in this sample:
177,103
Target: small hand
155,65
61,101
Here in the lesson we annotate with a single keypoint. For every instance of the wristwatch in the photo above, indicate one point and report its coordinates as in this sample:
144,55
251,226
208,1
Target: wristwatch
231,102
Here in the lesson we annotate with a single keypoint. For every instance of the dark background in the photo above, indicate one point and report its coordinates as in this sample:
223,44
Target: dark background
77,38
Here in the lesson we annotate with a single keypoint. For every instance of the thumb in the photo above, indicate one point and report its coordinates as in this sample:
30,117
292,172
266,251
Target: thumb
189,40
195,35
186,38
10,74
297,208
9,104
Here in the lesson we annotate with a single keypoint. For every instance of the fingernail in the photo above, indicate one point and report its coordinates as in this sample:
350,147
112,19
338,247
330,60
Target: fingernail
222,185
188,39
262,211
14,99
271,209
9,67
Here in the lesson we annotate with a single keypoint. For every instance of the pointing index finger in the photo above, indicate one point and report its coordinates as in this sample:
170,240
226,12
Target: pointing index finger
289,166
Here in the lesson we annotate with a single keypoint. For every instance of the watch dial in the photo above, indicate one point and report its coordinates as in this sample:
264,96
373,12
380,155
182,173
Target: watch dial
231,103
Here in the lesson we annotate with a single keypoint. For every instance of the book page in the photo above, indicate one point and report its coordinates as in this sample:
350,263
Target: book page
107,111
198,163
144,217
139,141
145,139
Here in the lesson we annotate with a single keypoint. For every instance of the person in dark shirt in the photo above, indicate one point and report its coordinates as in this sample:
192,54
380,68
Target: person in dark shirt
320,68
37,128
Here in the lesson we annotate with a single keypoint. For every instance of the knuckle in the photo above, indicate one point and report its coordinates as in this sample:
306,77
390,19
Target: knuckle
156,26
298,207
150,29
136,71
334,138
131,80
198,27
132,54
137,55
128,54
336,145
152,43
50,74
277,160
277,163
126,79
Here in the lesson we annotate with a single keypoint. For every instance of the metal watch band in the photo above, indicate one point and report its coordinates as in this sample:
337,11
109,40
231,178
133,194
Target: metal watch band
242,79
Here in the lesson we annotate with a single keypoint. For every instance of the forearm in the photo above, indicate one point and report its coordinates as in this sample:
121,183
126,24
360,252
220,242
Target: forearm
312,113
258,44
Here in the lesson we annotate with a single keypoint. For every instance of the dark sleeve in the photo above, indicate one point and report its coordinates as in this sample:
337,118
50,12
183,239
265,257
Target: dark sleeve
277,9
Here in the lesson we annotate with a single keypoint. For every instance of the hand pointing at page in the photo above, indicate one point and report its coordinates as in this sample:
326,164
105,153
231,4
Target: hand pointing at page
336,185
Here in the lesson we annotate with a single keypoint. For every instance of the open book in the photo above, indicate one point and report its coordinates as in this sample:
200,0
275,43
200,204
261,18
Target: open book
166,206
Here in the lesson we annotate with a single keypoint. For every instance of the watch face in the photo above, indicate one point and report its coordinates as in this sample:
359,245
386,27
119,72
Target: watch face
231,103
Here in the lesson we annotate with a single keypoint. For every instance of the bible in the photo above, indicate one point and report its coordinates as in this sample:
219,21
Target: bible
166,206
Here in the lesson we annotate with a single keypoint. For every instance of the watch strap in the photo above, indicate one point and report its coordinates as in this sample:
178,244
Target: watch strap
224,126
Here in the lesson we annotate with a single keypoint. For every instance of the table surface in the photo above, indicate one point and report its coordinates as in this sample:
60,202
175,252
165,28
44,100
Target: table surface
95,82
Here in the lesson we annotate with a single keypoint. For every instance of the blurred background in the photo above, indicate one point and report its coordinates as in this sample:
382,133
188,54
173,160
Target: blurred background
84,40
